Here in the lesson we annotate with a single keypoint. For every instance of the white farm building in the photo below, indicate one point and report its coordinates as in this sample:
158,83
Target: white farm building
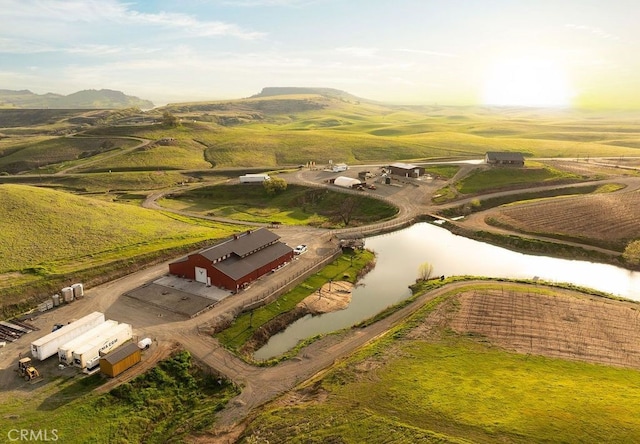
346,182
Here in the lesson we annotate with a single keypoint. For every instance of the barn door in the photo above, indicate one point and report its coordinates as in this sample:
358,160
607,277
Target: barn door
201,275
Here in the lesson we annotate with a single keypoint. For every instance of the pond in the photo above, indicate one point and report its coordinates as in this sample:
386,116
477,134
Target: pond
400,254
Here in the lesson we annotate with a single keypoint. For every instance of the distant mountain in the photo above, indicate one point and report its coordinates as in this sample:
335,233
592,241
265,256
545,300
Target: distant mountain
87,99
291,90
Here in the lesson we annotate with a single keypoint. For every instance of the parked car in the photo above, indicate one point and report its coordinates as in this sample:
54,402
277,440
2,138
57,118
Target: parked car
300,249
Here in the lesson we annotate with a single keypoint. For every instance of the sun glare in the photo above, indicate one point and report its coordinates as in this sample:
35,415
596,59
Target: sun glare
527,82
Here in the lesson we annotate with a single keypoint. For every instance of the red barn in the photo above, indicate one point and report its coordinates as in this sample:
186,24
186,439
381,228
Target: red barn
236,261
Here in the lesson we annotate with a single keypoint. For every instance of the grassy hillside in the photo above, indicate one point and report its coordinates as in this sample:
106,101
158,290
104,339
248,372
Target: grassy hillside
32,156
49,229
183,154
282,130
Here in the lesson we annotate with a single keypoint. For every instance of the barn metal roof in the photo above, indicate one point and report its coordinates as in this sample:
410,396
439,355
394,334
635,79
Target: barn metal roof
242,244
404,166
236,267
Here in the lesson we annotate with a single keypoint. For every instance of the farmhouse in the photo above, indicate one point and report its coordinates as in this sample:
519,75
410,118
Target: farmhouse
235,262
504,158
406,170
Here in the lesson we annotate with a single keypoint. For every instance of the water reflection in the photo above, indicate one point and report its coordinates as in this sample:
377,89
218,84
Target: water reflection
400,254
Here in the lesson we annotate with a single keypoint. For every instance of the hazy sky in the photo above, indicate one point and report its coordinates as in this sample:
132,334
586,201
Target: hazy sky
523,52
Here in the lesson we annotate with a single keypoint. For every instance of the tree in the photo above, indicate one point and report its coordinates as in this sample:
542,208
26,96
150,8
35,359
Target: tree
274,185
425,271
346,209
169,119
632,252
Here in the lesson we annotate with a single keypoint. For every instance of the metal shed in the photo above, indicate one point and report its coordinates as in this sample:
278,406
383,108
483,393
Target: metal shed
119,360
406,170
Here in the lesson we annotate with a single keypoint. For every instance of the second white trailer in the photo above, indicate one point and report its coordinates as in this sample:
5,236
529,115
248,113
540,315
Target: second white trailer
65,352
102,344
48,345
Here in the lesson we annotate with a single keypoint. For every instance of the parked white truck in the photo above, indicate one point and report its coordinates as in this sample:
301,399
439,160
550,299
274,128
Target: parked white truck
102,345
65,352
48,345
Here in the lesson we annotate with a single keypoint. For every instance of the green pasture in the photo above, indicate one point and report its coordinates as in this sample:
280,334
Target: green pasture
496,178
457,389
297,205
182,155
40,155
45,230
345,267
362,133
446,171
174,399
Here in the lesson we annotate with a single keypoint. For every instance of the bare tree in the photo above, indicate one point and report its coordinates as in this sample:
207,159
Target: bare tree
425,271
346,209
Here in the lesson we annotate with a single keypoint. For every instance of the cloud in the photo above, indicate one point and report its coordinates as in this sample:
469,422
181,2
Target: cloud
593,31
31,12
267,3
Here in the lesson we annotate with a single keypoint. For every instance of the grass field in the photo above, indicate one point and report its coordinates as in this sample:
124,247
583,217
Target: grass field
51,237
297,205
79,230
40,155
277,132
174,399
497,178
448,387
183,154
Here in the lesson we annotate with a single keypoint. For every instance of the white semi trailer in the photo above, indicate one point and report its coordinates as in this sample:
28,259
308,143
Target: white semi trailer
48,345
254,178
102,344
65,352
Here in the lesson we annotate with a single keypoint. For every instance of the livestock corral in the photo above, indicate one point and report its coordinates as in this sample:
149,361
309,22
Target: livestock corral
610,219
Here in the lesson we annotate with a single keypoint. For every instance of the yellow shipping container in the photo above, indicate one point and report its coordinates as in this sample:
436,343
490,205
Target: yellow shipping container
119,360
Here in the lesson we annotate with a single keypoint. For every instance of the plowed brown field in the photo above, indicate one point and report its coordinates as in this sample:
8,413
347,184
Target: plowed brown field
564,325
610,218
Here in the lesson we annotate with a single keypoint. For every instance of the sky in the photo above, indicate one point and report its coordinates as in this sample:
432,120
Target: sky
563,53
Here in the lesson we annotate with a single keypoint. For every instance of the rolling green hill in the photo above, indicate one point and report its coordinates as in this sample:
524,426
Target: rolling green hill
277,129
51,238
47,228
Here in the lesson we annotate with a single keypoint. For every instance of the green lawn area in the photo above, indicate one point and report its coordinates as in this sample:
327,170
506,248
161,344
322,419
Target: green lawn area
297,205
